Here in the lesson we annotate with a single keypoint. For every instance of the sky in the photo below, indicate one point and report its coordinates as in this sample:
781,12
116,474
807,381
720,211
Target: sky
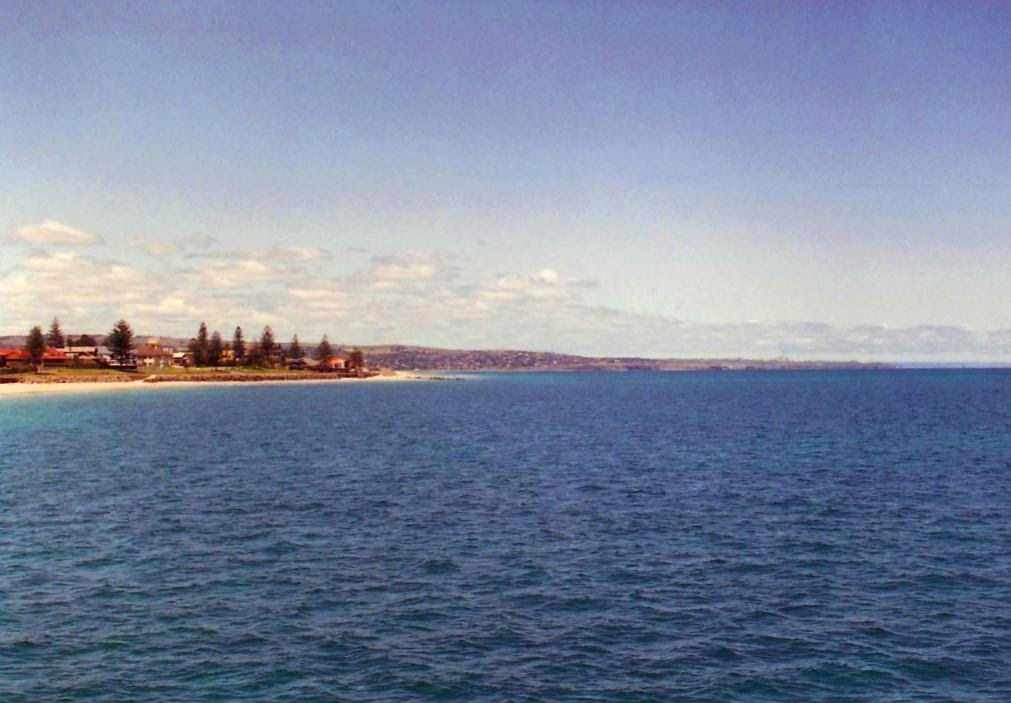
801,179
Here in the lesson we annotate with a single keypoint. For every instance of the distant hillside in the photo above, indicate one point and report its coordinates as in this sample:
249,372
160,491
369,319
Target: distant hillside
427,358
408,358
18,340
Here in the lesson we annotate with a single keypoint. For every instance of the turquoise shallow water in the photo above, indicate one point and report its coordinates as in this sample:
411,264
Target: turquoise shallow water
837,536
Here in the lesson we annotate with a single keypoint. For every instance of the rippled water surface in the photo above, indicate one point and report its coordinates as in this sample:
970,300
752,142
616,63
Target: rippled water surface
838,536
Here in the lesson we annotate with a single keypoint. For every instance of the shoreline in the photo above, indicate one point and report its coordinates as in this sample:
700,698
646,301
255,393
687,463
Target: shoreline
20,389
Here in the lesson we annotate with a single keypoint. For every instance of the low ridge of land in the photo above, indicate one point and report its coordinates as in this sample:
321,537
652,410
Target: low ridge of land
415,358
432,359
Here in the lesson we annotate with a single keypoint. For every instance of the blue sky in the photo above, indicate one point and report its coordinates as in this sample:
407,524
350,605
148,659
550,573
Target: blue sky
802,179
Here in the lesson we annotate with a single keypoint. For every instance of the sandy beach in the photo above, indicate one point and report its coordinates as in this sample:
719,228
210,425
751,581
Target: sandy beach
55,388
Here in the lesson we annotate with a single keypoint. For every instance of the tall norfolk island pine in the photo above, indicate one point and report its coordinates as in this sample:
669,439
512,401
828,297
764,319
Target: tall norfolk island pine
215,349
295,350
324,351
267,346
199,346
120,341
238,346
357,359
36,347
55,338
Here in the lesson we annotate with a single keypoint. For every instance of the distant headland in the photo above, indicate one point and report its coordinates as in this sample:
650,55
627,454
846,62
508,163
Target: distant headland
412,358
120,352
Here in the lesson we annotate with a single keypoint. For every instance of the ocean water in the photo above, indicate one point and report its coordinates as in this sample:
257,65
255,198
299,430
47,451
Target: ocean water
839,536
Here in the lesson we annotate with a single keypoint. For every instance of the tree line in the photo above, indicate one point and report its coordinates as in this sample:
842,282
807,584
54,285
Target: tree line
211,350
206,350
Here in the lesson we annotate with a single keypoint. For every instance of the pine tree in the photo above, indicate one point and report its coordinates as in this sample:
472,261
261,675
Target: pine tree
120,341
36,347
324,351
267,346
215,349
357,359
238,346
55,338
199,346
295,350
253,356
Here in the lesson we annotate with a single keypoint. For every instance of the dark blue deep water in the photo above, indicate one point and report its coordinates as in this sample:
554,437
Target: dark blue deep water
840,536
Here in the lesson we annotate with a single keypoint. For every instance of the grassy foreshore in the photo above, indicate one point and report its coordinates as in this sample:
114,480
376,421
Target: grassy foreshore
88,380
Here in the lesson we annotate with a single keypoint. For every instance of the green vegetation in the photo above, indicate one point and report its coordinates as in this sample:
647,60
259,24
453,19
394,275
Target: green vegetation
215,349
208,371
357,358
295,350
238,346
253,356
120,341
55,338
36,347
324,351
85,340
198,346
85,372
268,347
208,353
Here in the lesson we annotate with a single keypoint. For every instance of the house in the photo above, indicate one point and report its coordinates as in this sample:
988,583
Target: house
55,357
13,356
335,363
52,357
303,364
112,361
154,357
83,356
128,363
274,358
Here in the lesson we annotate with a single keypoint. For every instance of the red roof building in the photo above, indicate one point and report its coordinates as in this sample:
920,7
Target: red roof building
15,355
52,356
334,363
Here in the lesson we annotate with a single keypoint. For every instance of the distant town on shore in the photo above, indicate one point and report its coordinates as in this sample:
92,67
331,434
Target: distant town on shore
122,349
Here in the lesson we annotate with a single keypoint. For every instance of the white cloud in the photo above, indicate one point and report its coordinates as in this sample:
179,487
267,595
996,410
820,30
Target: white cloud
388,271
53,232
154,247
275,254
293,253
543,285
232,273
197,242
547,276
421,298
72,286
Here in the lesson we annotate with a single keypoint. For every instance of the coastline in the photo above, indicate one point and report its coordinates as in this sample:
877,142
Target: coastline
21,389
